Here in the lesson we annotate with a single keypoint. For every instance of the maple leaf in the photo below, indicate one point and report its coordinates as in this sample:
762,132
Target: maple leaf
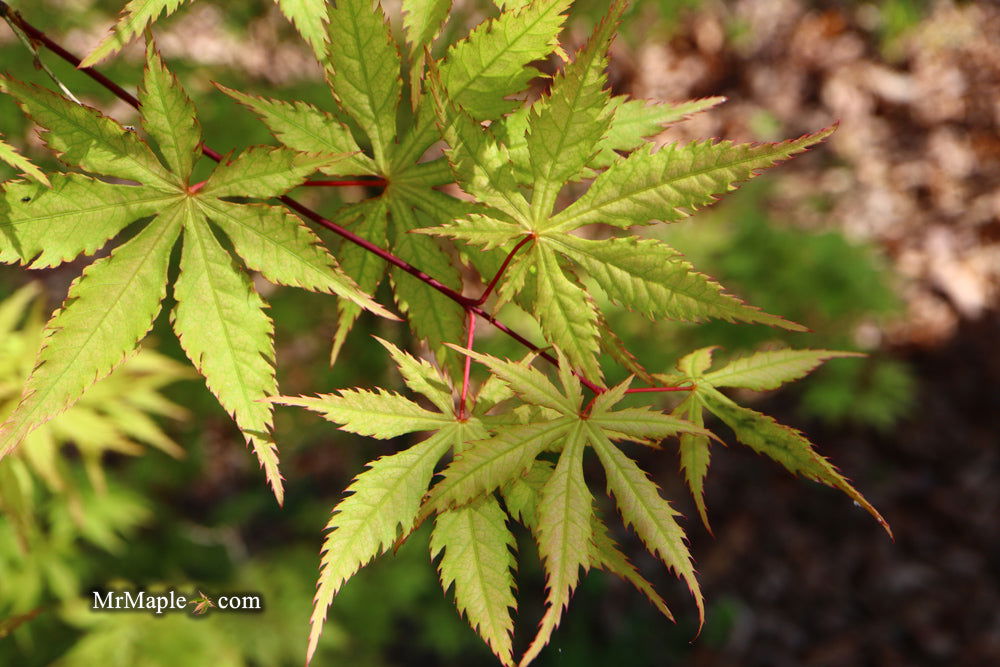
423,20
220,319
496,453
760,371
479,72
570,134
384,501
560,509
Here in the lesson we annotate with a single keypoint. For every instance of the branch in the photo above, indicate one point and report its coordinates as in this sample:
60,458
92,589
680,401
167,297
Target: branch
471,306
133,101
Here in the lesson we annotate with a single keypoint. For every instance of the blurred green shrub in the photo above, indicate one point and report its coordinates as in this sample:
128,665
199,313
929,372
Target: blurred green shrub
55,497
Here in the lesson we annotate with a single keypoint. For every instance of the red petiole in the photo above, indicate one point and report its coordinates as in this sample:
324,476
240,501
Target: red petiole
503,268
470,339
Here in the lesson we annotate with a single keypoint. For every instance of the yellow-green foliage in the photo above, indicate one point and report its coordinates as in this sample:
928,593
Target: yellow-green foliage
515,449
45,506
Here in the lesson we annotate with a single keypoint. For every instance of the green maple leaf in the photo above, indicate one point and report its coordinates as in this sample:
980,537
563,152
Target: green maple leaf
308,16
563,137
634,121
760,371
496,453
220,319
385,500
560,509
476,545
480,72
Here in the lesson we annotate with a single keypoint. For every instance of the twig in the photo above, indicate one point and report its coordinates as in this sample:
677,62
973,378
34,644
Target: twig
13,20
471,306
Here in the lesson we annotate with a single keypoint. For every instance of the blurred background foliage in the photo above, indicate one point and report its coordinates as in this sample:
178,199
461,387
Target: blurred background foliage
883,241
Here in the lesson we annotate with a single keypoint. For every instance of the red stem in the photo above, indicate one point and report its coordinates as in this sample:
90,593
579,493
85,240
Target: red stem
471,306
376,250
373,182
209,153
470,339
649,390
503,268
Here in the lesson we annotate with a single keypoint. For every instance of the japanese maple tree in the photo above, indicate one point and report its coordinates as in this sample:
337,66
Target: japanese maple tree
509,448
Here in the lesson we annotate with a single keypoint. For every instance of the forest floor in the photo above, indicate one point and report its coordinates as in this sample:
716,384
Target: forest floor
914,168
818,584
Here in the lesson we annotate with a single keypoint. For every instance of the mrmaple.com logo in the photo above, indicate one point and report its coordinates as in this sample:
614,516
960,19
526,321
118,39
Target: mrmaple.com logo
170,600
